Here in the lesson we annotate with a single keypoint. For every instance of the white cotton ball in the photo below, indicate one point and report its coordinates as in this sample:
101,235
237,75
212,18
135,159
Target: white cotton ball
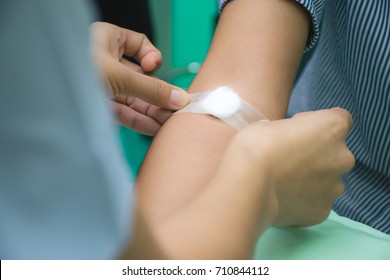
221,103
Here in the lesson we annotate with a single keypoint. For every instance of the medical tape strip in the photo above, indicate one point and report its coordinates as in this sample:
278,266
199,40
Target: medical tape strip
224,104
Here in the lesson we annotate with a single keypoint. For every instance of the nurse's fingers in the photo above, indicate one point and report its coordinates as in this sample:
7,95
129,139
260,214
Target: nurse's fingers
344,115
337,114
137,45
133,66
124,81
135,120
158,114
117,42
337,123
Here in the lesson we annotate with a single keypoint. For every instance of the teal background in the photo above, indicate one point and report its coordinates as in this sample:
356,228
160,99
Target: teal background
193,25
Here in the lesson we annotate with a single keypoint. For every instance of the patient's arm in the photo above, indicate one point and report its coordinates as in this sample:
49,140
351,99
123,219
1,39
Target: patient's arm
256,185
256,50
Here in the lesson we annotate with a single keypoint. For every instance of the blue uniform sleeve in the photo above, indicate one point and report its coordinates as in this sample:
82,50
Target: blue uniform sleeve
314,8
64,188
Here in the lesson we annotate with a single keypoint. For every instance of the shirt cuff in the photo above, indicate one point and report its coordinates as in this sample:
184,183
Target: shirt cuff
314,8
222,4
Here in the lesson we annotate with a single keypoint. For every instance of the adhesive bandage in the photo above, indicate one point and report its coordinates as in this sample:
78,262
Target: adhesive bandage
225,104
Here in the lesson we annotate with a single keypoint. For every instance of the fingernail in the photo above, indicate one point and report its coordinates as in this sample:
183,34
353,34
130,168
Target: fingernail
178,98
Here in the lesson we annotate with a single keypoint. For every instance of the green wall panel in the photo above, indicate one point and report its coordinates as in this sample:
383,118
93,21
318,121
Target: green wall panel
193,25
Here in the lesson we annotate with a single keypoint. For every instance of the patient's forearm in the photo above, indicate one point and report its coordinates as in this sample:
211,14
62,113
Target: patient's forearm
180,162
256,51
225,220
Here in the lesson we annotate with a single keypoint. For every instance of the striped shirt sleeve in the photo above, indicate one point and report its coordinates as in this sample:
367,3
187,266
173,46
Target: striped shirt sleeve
314,8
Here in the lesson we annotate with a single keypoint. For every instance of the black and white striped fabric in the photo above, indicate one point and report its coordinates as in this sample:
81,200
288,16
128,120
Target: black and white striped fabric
350,68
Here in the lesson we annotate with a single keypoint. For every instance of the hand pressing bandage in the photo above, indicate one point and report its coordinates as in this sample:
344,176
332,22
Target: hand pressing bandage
225,104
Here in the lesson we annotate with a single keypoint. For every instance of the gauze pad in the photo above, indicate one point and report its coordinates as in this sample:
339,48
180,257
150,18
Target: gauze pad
225,104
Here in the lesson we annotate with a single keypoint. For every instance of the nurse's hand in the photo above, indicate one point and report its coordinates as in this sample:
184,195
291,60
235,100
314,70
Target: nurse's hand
304,158
141,102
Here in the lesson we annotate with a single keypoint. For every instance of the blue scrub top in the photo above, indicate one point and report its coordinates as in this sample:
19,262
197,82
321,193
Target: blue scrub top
64,188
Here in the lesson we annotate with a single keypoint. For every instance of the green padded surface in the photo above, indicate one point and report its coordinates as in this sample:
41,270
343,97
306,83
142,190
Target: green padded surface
337,238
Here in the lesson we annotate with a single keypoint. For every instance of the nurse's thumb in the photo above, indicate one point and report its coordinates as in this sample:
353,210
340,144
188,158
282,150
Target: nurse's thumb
158,92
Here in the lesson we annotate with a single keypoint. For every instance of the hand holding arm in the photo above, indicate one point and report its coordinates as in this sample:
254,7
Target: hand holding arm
271,174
